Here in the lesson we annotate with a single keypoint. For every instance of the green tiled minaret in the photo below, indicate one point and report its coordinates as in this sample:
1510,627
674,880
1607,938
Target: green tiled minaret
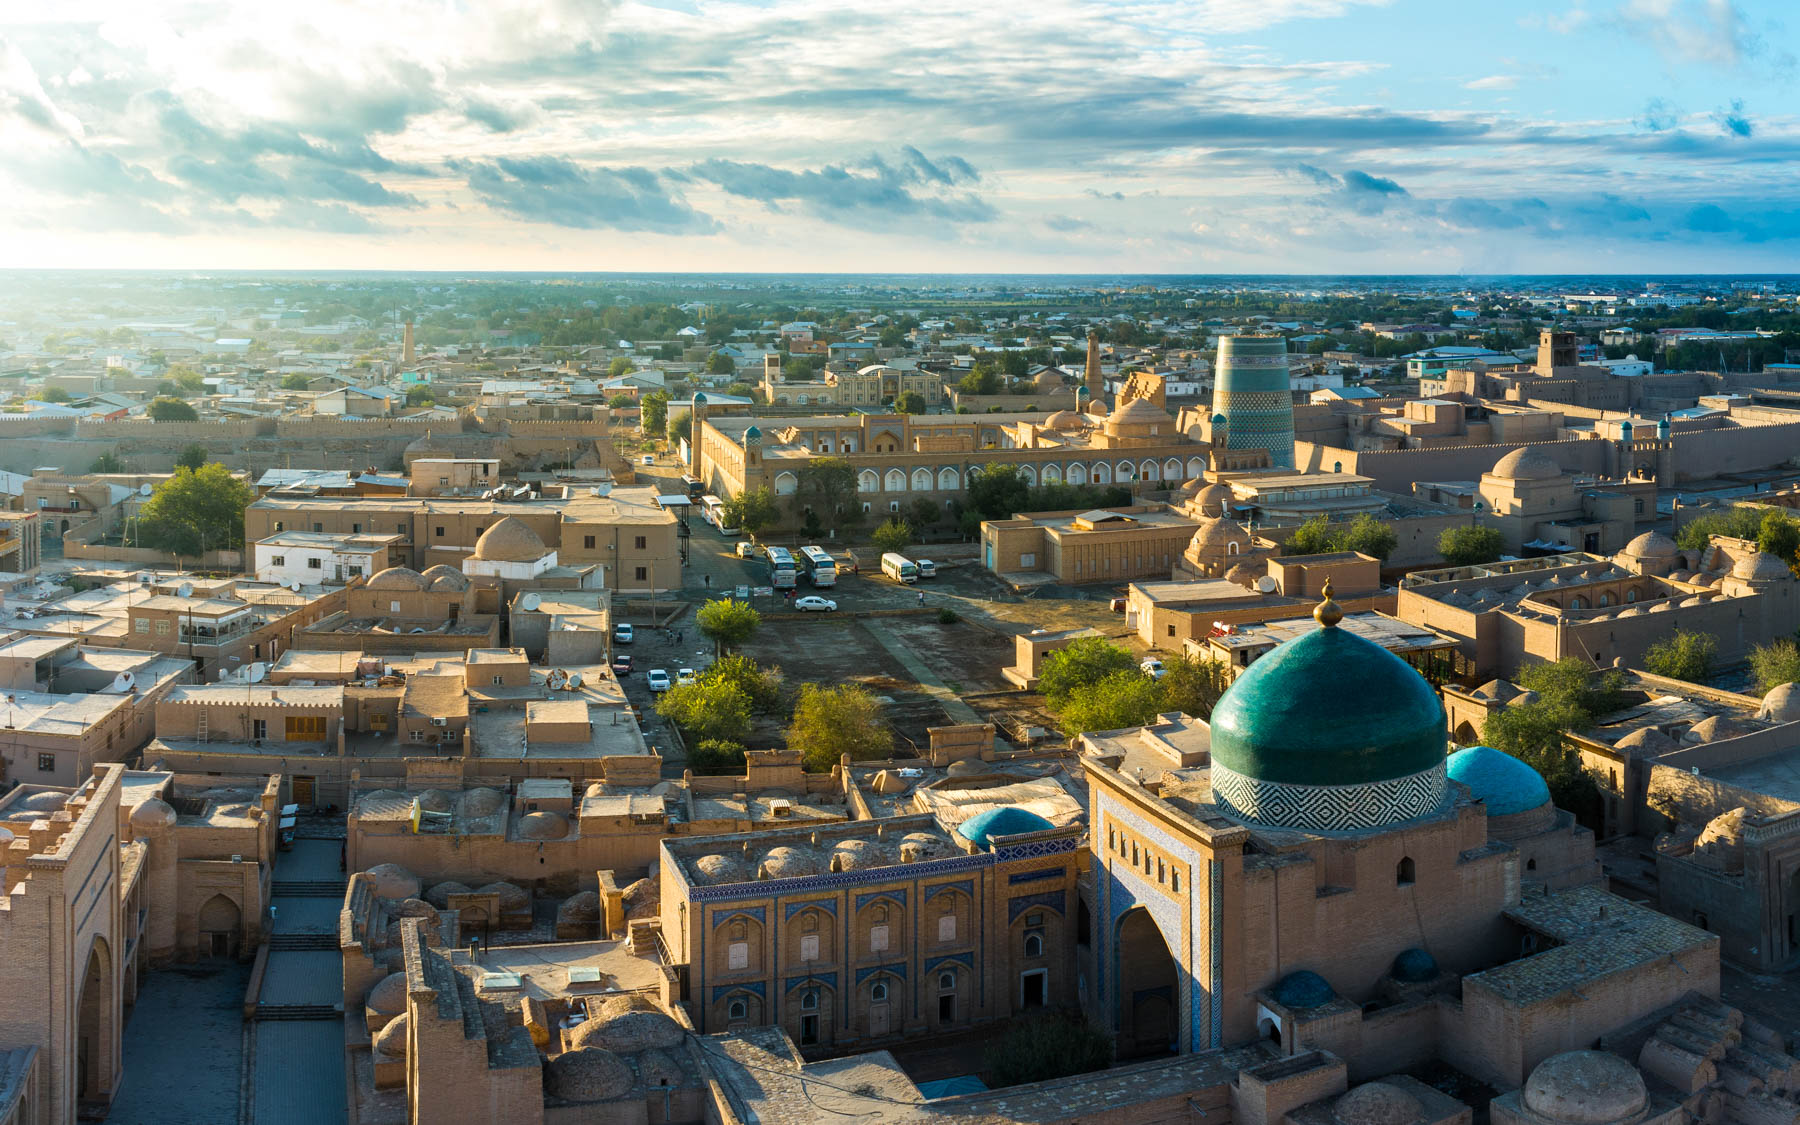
1253,393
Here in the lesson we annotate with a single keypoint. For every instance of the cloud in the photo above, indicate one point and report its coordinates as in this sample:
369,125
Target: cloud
1657,116
496,117
1066,224
1493,82
1715,33
548,189
1732,120
876,193
1356,190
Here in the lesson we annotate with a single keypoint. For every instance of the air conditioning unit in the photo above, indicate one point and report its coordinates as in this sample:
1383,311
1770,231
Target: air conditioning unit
440,722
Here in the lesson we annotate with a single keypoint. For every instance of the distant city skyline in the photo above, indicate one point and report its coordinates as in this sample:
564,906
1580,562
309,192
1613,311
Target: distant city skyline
1157,136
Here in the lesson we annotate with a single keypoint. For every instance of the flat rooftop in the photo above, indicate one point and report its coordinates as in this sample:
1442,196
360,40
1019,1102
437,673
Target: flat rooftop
1201,591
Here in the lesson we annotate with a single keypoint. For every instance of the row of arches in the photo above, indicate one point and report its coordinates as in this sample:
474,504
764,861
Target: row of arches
949,479
879,1005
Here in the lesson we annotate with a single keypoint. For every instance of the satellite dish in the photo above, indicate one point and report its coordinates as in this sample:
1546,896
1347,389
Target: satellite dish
530,602
121,684
258,671
294,585
574,680
556,679
145,489
186,589
1266,584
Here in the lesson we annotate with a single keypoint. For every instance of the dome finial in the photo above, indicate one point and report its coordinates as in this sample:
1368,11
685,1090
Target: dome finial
1327,613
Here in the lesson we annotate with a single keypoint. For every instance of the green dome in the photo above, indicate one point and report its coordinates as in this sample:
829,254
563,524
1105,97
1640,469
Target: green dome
1328,708
1500,781
1007,820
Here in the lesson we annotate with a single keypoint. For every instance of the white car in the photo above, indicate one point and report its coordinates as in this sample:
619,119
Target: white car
623,633
649,458
1153,668
686,676
813,604
658,679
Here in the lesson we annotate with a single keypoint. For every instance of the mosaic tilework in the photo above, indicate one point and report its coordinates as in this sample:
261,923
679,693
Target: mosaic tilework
1124,887
1034,876
828,980
720,917
897,969
1330,808
966,886
1055,900
897,895
754,986
828,905
967,960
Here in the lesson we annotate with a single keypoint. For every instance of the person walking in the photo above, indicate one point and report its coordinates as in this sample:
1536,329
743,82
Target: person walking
921,597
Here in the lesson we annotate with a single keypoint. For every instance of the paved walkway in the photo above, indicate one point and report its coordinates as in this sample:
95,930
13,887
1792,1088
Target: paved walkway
299,1073
297,1057
954,707
183,1047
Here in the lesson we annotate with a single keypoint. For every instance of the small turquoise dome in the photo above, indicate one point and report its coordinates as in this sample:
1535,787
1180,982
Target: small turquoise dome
1304,989
752,436
1328,708
699,398
1498,780
1003,821
1414,966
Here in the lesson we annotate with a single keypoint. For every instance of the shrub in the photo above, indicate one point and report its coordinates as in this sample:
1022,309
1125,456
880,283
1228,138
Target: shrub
716,756
947,617
830,722
1046,1047
1775,664
1467,546
1683,656
1085,661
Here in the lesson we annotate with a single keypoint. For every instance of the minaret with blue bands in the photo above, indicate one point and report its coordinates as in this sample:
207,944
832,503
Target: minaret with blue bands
1254,395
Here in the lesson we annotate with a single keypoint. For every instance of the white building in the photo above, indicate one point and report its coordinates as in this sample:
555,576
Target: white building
311,558
1630,366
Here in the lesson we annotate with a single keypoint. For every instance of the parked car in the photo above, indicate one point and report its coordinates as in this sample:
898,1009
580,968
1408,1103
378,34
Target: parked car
1153,668
686,676
621,664
746,549
623,633
814,604
649,458
658,679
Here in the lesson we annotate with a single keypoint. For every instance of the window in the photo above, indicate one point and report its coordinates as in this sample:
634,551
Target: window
317,526
356,572
46,763
305,728
878,993
737,1010
356,529
643,574
1034,945
142,625
278,560
809,1001
1174,879
737,955
947,928
443,482
878,938
440,532
1171,630
1403,872
162,628
946,981
641,543
587,541
259,729
1112,839
1027,560
400,529
393,607
416,734
315,564
809,947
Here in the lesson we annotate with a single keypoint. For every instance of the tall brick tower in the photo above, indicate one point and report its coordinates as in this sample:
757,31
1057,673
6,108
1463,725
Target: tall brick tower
1254,396
1096,386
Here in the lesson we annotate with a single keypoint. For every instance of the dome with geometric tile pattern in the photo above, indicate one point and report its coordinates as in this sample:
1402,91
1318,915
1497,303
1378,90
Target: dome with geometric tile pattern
1329,732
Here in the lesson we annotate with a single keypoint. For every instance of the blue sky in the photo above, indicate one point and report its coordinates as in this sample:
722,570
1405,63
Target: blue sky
1050,136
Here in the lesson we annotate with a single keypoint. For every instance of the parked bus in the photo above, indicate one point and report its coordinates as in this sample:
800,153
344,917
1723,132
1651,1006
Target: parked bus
713,510
821,568
899,568
695,488
781,568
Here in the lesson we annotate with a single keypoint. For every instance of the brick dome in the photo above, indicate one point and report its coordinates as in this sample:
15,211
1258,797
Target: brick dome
589,1074
1526,463
510,540
1585,1088
398,578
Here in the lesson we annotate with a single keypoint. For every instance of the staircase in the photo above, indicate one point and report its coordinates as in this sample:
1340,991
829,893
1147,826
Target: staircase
289,943
297,1012
318,888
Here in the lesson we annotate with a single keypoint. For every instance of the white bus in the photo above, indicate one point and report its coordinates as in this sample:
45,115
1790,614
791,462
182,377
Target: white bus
781,568
899,568
713,509
821,568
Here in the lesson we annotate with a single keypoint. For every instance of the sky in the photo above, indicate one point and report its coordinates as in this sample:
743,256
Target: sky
1054,136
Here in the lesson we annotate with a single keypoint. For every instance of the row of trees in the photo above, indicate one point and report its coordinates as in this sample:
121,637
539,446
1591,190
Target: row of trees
717,714
1094,684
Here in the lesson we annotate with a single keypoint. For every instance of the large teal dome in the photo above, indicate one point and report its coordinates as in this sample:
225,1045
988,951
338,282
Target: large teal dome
1498,780
1329,732
1003,821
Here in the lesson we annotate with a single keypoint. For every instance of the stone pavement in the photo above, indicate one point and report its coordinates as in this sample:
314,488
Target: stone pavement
299,1067
183,1047
929,683
297,1051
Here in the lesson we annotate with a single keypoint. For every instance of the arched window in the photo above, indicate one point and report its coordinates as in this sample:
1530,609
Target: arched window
946,981
867,481
947,479
877,992
809,922
737,1010
878,913
1403,872
739,931
896,480
1077,474
809,1001
1052,474
1605,599
786,483
1034,945
1631,595
1577,603
921,480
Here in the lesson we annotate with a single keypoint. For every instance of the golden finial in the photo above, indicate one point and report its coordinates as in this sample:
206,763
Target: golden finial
1327,613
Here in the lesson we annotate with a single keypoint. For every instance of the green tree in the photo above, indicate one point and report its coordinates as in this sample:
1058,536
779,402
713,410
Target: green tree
925,512
172,410
1683,656
982,379
1314,537
1733,523
192,456
621,365
827,485
728,623
1125,698
1084,661
53,394
713,709
294,382
622,401
1775,664
752,510
195,511
910,402
419,395
655,417
1193,686
716,757
1370,536
798,369
680,429
1779,535
893,535
830,722
190,381
761,685
719,363
1570,696
1045,1047
1467,546
999,491
107,463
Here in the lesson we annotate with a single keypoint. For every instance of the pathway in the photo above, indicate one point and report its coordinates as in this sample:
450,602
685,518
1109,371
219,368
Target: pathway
184,1047
929,683
297,1051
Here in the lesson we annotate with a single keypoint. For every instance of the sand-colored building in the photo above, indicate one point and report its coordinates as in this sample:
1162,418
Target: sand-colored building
68,706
